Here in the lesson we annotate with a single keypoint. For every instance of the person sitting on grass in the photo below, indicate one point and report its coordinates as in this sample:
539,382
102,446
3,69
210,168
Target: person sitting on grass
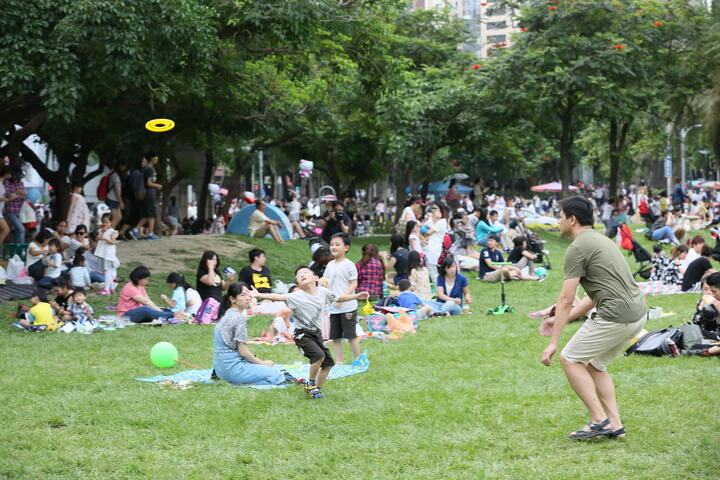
53,264
522,257
177,300
134,302
697,269
308,304
260,225
419,276
370,273
210,283
257,275
707,317
79,273
232,360
660,262
452,286
40,317
63,291
661,231
490,272
410,301
81,311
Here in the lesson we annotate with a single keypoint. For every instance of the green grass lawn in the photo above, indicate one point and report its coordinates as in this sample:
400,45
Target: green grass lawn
465,397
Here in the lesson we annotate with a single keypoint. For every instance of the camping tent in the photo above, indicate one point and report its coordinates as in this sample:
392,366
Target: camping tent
552,187
239,223
441,188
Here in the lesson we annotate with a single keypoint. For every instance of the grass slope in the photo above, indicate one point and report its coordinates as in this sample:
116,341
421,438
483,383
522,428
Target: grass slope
466,397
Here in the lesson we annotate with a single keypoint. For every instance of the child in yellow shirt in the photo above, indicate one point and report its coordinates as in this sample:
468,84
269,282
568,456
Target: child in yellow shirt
41,315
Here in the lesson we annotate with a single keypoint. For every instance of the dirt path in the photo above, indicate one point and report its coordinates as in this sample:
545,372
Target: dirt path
171,253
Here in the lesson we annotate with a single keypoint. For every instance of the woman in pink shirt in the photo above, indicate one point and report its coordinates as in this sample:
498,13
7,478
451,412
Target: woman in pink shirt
134,302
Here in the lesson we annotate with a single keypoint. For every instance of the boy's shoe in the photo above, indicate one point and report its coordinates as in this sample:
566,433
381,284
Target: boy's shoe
134,234
543,278
313,391
18,325
152,236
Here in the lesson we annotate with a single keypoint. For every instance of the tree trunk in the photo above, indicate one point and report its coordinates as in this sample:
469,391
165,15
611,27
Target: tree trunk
56,178
242,160
566,142
169,186
207,175
402,181
617,147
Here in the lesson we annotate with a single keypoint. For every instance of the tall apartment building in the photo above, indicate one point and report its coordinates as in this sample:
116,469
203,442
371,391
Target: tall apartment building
488,22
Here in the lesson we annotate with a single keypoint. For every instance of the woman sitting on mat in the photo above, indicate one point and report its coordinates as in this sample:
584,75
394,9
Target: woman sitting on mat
134,302
232,359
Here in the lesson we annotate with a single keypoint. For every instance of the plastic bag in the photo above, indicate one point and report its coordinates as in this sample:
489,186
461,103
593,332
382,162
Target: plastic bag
281,287
27,214
16,268
3,273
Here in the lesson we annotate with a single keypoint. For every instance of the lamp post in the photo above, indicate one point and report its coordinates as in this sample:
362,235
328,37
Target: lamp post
683,134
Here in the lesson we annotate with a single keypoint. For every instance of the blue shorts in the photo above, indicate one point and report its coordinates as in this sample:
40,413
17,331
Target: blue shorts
112,204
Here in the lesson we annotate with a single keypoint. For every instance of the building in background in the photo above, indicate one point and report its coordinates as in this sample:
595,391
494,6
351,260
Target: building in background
489,23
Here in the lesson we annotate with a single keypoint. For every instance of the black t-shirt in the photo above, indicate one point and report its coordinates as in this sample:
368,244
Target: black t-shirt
261,279
695,272
401,261
333,226
210,291
149,176
63,302
516,254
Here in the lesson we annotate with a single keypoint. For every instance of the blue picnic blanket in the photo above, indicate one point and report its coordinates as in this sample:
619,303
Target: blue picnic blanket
297,370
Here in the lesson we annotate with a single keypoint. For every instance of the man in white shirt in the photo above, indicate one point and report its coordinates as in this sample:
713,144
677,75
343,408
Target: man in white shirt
260,225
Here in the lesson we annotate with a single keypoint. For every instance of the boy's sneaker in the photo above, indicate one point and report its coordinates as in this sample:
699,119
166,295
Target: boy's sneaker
313,391
543,278
152,236
134,234
18,325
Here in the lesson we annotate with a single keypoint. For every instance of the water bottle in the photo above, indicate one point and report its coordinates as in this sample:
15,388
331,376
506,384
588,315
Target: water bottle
673,348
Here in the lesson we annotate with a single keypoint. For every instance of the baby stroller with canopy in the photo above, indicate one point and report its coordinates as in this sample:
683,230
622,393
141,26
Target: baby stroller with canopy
535,245
642,256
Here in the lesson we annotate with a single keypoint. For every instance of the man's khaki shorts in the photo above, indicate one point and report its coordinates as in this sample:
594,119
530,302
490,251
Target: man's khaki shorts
260,232
494,276
598,341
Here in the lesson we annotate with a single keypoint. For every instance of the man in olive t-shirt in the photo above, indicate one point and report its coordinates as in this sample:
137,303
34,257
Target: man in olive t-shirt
595,262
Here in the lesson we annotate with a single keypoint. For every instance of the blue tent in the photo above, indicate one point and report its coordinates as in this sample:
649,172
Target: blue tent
441,188
239,222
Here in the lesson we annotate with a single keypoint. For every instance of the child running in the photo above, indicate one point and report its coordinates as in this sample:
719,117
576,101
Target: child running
307,305
105,251
342,276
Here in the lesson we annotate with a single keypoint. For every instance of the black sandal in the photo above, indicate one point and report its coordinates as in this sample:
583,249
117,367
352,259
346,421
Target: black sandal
617,433
596,430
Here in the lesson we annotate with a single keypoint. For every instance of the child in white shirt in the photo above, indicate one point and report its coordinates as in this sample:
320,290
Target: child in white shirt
105,252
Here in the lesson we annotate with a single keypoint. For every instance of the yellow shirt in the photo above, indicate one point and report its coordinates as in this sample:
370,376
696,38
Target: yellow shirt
44,315
257,222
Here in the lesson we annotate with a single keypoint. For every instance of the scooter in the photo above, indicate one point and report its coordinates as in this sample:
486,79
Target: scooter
503,307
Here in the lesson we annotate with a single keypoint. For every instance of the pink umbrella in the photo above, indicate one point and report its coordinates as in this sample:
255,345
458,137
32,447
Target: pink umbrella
552,187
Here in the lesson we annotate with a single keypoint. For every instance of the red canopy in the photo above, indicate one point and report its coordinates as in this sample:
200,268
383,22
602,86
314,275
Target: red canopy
552,187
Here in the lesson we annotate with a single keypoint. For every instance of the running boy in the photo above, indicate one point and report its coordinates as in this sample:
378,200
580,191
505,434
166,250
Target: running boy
307,304
342,278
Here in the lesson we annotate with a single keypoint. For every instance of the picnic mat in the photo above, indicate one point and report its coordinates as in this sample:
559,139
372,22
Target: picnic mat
13,291
297,370
659,288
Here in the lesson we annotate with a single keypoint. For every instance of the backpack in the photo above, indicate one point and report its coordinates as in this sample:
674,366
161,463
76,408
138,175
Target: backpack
446,244
137,184
659,343
102,189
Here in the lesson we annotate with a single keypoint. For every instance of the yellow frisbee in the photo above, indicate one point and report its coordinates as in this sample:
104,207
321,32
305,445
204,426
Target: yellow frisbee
160,125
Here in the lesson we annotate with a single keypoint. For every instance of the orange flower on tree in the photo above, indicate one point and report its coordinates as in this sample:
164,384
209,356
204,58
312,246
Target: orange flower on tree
619,47
659,24
523,29
476,67
639,12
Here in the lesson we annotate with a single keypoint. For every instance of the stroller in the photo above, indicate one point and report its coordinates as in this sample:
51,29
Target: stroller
535,245
642,256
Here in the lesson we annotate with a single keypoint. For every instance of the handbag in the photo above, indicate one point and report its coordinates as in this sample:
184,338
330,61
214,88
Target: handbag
692,334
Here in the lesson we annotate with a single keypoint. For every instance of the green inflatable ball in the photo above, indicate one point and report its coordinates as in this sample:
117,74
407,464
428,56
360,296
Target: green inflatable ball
163,354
